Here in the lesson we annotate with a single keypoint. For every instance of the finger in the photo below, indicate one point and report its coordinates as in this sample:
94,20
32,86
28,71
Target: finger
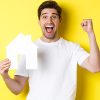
3,70
7,67
84,23
87,19
4,66
5,62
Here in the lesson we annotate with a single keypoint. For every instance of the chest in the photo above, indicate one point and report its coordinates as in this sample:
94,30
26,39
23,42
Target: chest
54,57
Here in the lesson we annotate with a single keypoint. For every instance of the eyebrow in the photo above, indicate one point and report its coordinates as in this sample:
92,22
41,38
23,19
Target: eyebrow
47,13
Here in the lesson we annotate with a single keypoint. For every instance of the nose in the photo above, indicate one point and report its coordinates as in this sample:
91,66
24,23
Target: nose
49,20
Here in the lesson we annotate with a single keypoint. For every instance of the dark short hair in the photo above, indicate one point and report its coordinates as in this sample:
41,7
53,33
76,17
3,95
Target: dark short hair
49,4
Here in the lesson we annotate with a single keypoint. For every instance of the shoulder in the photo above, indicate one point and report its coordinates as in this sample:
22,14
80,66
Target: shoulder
70,44
36,42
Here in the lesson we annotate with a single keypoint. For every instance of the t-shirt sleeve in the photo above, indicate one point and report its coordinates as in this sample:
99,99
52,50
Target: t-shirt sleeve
22,67
81,55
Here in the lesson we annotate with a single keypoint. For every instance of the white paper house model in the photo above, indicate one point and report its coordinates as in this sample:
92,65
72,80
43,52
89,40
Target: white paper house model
22,48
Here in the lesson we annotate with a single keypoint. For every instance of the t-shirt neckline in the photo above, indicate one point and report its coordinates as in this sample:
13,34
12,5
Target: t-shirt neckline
50,43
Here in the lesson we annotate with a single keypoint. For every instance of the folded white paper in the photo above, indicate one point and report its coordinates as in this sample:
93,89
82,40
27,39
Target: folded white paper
22,45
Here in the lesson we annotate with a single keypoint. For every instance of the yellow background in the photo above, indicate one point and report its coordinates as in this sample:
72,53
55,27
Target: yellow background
21,16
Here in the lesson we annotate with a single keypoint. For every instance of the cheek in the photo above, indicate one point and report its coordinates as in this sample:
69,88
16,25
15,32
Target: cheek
57,24
41,24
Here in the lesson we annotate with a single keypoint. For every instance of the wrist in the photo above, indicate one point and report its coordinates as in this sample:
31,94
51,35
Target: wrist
91,35
5,76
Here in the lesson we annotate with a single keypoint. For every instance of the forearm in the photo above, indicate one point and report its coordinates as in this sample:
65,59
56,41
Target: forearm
13,85
94,52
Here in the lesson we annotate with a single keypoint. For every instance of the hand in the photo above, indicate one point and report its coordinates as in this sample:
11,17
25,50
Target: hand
4,67
87,26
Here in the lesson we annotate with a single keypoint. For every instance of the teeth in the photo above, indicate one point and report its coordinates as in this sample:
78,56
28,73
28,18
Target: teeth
50,26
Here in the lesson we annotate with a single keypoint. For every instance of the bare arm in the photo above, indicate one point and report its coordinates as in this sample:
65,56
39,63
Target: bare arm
92,63
17,84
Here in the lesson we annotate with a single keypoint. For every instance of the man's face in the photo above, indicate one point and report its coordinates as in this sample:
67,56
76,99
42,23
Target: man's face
49,22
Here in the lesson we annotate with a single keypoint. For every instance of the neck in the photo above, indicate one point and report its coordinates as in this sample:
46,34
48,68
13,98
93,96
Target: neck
50,40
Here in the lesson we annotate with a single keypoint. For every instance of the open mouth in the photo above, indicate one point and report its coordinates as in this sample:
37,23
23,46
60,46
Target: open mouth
49,29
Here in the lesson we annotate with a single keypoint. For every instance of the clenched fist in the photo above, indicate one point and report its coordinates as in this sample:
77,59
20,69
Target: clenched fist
87,26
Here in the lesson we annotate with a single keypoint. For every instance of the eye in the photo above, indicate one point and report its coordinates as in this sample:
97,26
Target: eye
54,17
44,17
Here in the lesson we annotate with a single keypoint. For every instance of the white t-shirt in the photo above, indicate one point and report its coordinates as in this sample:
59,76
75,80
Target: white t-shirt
56,76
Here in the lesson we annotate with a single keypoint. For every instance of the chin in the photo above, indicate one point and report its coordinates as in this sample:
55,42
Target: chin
50,37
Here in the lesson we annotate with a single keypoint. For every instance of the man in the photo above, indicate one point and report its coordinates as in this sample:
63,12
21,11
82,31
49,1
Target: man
57,60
